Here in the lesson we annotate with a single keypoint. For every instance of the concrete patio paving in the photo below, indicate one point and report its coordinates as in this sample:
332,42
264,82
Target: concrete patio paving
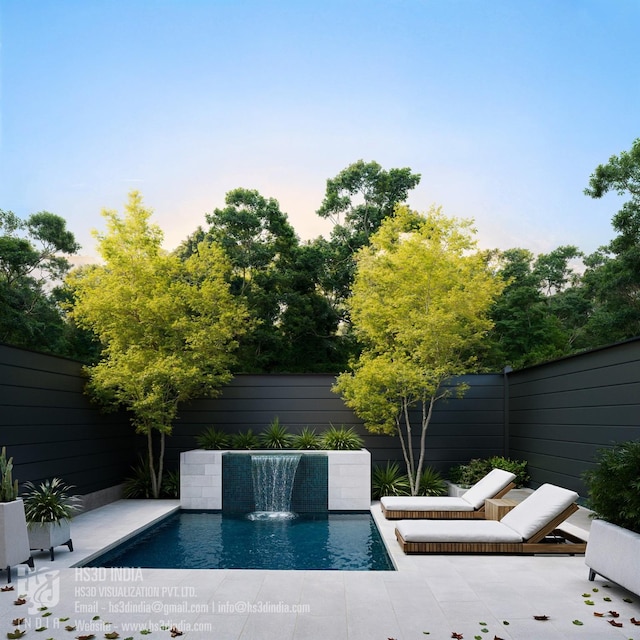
431,596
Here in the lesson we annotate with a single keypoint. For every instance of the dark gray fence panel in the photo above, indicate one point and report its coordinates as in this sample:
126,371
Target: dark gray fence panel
461,428
51,429
561,413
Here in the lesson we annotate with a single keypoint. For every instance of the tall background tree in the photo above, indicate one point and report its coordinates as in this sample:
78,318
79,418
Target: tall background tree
33,261
168,326
419,306
612,277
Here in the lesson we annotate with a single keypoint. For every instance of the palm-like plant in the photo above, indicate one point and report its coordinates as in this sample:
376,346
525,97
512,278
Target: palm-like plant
306,439
275,436
389,481
50,501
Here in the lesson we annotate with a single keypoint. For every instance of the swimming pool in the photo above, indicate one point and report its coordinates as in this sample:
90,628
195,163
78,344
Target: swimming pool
207,540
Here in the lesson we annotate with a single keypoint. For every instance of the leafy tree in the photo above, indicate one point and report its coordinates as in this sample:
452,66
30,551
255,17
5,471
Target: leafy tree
294,325
541,311
168,327
32,263
419,306
613,272
357,200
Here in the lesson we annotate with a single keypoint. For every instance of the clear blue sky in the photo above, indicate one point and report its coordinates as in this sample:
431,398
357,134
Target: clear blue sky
505,107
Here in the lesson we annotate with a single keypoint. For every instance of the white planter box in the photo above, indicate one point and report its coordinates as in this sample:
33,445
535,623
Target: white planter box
455,489
14,541
48,535
614,553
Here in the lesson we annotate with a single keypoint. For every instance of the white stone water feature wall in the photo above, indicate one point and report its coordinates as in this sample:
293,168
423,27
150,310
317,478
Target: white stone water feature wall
349,478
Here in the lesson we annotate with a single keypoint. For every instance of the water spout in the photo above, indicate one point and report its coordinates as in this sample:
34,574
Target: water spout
273,477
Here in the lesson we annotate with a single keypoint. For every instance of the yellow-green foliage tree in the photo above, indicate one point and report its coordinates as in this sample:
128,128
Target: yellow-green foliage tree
419,307
168,327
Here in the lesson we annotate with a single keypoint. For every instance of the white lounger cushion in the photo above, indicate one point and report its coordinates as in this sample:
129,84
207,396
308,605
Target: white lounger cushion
425,503
544,504
456,531
522,522
494,481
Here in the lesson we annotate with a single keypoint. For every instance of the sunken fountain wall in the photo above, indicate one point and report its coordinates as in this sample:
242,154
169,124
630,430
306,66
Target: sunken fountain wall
348,479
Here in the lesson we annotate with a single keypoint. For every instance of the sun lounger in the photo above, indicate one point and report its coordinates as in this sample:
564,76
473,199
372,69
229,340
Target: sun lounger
470,505
530,527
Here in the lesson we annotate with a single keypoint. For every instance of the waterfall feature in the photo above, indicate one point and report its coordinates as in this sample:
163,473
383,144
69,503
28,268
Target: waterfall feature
273,476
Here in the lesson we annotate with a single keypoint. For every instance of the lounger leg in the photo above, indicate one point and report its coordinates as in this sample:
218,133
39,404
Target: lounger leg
69,544
592,575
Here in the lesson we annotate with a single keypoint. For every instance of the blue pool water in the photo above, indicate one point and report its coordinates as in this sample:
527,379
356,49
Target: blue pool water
207,540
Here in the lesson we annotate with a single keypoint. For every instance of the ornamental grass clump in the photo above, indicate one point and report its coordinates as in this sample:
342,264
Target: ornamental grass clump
306,439
389,481
614,485
275,436
341,438
212,438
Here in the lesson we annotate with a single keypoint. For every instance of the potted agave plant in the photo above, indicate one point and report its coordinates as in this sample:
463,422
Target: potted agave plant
14,540
49,509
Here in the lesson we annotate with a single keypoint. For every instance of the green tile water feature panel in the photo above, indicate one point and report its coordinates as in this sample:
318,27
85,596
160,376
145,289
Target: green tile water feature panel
310,486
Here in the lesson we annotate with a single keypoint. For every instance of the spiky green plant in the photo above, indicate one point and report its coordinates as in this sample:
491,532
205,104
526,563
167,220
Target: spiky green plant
245,440
389,481
275,436
212,438
340,438
50,501
306,439
431,483
8,486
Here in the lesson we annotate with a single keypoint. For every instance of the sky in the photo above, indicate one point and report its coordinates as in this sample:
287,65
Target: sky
504,107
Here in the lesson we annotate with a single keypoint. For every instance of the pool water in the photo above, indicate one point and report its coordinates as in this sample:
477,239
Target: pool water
208,540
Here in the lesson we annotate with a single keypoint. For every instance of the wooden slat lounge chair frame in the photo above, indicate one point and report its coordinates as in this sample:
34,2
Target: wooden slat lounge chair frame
477,514
561,542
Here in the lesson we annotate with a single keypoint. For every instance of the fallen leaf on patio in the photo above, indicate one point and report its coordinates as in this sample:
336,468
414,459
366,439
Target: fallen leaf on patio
457,636
598,615
69,628
18,621
578,623
540,617
595,589
505,622
607,599
41,629
496,638
42,608
89,637
6,588
589,602
614,614
634,621
15,634
586,595
613,623
47,614
112,635
627,600
20,601
175,632
63,619
482,624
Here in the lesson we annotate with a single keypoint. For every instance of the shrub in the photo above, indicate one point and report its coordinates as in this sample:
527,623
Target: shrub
614,485
275,436
477,468
389,481
8,486
246,440
213,438
340,438
139,484
306,439
431,483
